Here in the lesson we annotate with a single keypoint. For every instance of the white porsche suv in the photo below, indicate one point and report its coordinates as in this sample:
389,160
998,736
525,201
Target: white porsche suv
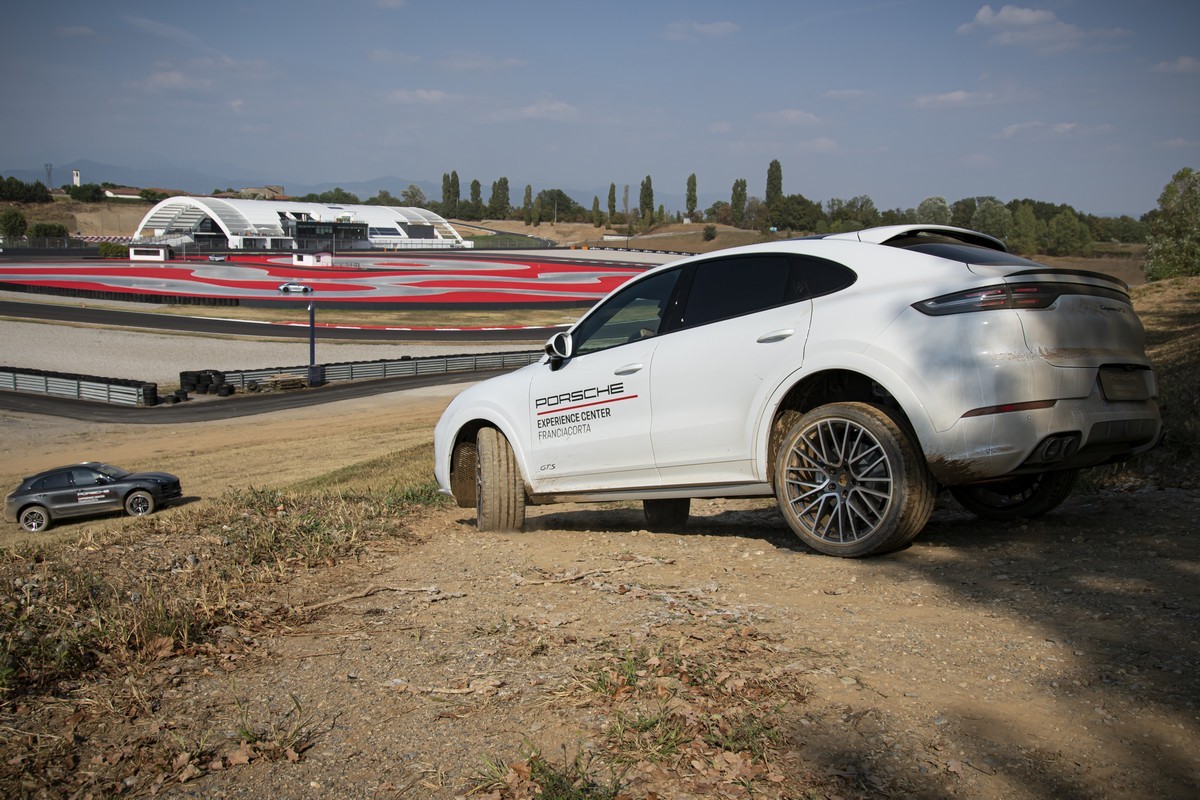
851,376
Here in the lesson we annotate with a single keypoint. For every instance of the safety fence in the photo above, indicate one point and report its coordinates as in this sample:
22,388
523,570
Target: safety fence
401,368
140,393
79,387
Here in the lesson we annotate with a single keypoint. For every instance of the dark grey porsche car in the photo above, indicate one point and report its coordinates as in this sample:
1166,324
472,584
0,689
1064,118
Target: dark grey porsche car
87,489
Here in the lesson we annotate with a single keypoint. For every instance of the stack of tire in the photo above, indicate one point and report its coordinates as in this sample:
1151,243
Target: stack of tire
207,381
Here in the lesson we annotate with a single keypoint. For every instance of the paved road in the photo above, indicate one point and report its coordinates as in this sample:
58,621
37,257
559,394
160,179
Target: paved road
233,327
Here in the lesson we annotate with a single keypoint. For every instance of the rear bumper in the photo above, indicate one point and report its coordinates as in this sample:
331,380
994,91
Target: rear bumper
1092,431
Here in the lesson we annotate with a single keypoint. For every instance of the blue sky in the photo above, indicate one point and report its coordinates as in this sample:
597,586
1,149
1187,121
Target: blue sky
1095,103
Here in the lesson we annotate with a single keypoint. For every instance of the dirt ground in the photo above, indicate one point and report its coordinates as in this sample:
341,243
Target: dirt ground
1052,658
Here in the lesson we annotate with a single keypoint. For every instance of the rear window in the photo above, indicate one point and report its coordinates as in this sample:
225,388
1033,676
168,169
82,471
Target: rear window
968,254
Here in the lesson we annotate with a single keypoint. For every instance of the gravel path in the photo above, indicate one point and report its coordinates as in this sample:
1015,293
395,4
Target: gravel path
160,357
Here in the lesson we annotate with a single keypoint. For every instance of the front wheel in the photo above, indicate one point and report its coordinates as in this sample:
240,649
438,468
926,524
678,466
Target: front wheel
499,489
34,519
850,481
1025,496
139,503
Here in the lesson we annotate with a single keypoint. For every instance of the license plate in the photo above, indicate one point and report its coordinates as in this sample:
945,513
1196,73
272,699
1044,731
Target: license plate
1120,385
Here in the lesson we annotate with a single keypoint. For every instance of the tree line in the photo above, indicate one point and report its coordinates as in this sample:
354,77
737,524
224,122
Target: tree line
1027,226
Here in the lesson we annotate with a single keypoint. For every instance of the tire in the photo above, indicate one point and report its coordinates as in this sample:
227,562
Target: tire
499,489
1025,496
851,482
139,503
666,515
464,472
34,519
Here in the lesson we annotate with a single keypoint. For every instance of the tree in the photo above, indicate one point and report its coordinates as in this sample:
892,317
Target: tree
413,197
1023,238
1068,235
795,212
962,211
774,192
455,194
646,202
382,198
991,217
933,211
691,196
87,193
498,204
527,205
1173,244
556,204
48,230
737,202
612,202
720,213
536,211
597,214
13,225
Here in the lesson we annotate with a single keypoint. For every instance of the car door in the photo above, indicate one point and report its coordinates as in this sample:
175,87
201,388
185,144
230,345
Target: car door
94,491
590,413
56,493
744,325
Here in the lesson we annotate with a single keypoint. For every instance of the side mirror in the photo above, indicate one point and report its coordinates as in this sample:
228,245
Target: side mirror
559,348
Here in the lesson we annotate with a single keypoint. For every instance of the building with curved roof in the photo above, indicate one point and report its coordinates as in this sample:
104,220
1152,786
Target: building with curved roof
236,224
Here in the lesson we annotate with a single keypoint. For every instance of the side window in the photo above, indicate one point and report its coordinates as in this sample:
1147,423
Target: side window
820,277
59,480
86,477
730,287
634,312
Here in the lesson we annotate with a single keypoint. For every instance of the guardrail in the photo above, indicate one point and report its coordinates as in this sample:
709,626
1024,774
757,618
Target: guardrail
79,387
126,392
400,368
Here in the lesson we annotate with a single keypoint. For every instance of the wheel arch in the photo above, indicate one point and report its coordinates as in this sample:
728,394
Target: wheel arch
840,384
466,434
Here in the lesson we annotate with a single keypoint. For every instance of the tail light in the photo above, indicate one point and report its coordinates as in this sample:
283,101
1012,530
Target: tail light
1010,296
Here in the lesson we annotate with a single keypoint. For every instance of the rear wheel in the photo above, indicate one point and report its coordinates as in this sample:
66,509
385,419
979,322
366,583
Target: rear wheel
139,503
499,490
850,481
666,515
34,519
1024,496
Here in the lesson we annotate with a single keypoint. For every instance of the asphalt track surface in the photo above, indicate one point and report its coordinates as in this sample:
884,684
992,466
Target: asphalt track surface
212,408
235,327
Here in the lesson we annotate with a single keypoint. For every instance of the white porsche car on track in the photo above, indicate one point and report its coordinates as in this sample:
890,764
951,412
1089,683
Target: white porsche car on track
850,375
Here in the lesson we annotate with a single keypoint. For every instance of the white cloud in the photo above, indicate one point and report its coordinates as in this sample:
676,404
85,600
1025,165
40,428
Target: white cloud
821,145
1052,130
956,99
1035,29
846,94
427,97
1180,142
171,80
1184,65
383,56
546,110
478,62
678,31
720,127
791,116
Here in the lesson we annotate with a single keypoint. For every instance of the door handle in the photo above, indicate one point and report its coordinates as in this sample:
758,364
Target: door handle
775,336
629,369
